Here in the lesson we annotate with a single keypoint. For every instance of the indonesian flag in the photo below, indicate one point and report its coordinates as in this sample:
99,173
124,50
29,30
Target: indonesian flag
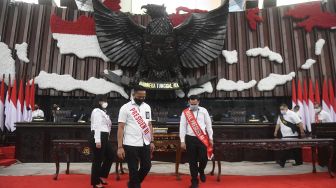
300,103
325,97
317,93
20,103
294,99
32,98
26,105
78,37
2,105
332,102
8,106
311,103
13,108
305,106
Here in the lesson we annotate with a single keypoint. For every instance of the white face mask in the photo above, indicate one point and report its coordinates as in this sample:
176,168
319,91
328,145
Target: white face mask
104,105
194,107
283,112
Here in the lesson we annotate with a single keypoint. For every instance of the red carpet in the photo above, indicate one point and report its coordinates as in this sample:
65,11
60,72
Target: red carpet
319,180
7,155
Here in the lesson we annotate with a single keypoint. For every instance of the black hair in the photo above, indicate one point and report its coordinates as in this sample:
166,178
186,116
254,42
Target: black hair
296,107
97,99
139,88
317,104
194,97
284,105
101,98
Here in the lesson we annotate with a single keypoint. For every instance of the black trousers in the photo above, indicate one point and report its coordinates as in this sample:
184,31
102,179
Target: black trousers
102,158
134,157
197,153
295,153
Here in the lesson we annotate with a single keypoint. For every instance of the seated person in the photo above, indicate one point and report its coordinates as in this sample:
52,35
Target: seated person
37,113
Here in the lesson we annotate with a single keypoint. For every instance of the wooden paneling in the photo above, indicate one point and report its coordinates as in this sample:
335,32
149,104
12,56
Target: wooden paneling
29,23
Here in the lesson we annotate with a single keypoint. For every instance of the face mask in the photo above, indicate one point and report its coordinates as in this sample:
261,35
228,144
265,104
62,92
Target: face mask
104,105
283,112
193,107
317,110
138,101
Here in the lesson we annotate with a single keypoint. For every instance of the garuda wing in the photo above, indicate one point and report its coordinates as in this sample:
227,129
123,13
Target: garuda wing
119,37
200,38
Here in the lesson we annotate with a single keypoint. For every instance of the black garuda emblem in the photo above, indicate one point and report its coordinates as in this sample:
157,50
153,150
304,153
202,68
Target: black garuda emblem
160,51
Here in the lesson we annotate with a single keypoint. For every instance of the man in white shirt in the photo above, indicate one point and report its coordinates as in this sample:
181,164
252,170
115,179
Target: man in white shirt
37,113
296,109
290,125
321,116
197,151
135,137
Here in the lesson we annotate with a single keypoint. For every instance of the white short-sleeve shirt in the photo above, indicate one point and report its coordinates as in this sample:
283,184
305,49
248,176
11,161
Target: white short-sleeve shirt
203,118
133,135
291,117
37,113
324,117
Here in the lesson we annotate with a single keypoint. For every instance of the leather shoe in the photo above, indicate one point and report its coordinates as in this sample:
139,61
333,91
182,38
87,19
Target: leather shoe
194,185
202,177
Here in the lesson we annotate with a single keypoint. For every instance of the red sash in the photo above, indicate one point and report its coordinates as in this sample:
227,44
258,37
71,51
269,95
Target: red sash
198,131
143,125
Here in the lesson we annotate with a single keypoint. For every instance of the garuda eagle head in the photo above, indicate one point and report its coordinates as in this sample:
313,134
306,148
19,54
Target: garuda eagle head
155,11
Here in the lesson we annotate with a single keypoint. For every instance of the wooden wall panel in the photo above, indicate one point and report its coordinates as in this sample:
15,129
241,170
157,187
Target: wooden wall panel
29,23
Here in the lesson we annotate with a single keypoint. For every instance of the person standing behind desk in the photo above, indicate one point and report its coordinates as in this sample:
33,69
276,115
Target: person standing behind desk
37,113
135,137
100,143
289,124
195,122
321,116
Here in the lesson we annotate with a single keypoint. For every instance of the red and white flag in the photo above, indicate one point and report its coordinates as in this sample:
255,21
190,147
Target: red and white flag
294,99
317,93
305,106
26,105
300,103
8,106
20,103
325,97
2,105
78,37
13,108
311,103
32,98
332,101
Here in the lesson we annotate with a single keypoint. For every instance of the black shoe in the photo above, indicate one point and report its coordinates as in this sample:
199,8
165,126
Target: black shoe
297,164
282,164
194,185
202,177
